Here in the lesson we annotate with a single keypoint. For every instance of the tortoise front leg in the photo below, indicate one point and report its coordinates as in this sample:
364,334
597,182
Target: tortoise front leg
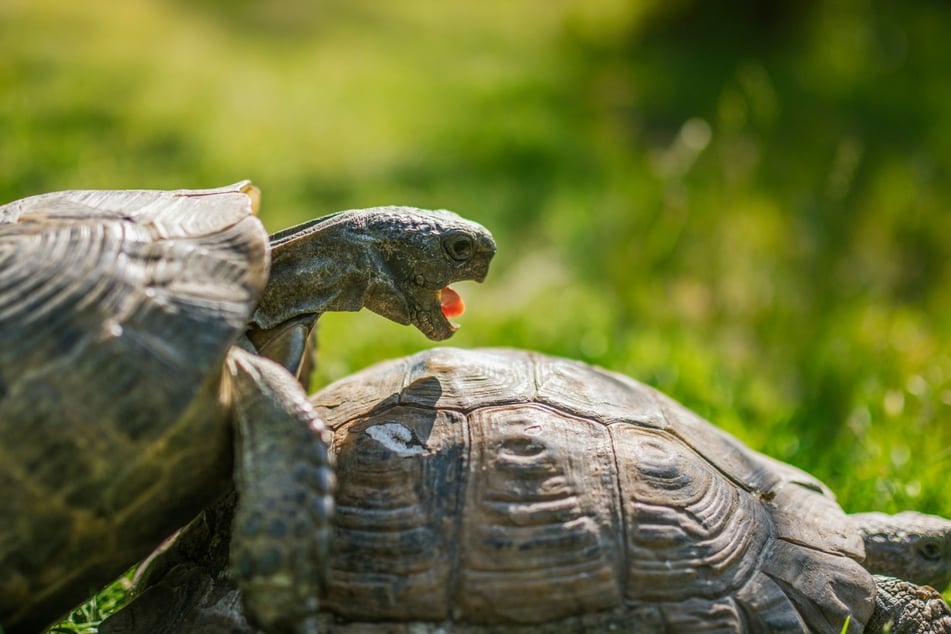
284,481
905,608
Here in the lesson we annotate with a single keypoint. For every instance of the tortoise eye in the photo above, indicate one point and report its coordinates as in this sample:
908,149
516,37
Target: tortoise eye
929,550
459,247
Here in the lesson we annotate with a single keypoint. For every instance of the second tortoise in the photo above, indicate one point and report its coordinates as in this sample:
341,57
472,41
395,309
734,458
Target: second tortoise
507,491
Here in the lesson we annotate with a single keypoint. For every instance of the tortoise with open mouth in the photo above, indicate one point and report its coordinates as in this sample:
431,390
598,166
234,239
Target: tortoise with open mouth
145,357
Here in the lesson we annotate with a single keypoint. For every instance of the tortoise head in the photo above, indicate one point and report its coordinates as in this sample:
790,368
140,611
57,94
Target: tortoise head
911,546
396,261
421,253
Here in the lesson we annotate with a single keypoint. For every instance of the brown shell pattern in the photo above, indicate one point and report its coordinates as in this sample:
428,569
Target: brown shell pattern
492,487
103,293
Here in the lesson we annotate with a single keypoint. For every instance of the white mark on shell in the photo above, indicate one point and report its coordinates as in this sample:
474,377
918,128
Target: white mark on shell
113,328
397,438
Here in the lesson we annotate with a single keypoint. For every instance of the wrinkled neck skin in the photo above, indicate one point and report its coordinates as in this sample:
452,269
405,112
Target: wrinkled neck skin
911,546
323,266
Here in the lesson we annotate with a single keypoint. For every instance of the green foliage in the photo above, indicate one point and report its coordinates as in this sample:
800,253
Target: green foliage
743,205
87,617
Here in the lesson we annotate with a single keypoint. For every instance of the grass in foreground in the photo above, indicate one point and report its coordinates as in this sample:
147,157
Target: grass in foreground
87,617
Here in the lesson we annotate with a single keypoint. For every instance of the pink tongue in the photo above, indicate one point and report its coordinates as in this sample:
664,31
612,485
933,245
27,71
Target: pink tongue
452,305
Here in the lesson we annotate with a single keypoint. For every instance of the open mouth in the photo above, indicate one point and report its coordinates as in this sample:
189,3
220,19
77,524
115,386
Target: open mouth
438,325
451,303
433,308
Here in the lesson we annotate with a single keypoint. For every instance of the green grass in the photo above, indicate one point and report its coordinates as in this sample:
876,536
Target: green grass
87,617
744,206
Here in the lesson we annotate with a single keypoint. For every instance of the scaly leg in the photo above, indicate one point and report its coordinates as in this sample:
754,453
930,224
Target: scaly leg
908,609
284,480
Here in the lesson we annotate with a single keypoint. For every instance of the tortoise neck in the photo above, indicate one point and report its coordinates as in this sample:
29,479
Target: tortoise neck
316,267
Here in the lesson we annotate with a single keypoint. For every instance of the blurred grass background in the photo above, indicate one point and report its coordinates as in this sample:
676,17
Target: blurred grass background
743,204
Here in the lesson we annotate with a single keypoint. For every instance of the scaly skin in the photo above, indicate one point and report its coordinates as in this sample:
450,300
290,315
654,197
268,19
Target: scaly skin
910,555
393,260
905,608
912,546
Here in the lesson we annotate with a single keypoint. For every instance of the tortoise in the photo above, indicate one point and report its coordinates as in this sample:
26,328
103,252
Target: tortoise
131,384
501,491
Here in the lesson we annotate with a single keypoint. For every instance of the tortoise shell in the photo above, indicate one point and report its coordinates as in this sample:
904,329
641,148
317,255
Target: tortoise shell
116,311
503,489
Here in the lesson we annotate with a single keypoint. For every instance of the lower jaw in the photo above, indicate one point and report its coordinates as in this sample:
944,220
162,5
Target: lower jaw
436,331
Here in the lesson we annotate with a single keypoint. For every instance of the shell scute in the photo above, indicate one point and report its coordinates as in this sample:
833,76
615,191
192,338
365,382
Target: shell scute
362,393
693,526
541,529
583,390
767,607
803,517
702,616
825,588
393,541
483,378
